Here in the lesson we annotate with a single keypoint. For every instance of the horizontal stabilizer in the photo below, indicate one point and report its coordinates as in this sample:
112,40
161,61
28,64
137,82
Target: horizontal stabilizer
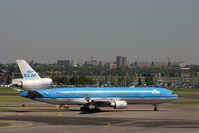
34,93
19,90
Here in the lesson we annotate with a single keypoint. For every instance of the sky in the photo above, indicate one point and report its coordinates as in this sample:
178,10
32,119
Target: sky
50,30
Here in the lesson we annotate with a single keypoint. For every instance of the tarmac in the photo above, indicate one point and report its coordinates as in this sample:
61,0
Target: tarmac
37,117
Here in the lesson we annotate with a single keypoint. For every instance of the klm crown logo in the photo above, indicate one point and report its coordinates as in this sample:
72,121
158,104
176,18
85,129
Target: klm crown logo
29,71
30,74
156,91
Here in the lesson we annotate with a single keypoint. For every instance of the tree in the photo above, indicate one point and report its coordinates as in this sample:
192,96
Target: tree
139,81
119,81
149,80
128,81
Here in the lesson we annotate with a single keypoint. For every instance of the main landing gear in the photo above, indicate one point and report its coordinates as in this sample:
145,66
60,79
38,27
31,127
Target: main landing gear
87,109
155,107
96,109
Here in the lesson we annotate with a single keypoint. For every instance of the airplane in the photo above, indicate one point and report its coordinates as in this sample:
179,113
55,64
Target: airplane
115,97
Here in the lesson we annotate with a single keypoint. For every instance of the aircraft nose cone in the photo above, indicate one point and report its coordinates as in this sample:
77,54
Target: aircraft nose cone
175,95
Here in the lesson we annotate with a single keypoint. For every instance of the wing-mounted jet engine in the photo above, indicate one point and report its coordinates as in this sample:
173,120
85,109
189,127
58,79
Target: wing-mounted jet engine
117,104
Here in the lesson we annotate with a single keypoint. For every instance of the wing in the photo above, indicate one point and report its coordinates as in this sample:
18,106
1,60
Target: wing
101,102
19,90
105,102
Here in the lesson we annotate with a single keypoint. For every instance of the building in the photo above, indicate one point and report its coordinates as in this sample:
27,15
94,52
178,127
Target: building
159,64
110,65
121,61
3,72
31,63
64,62
142,64
176,64
162,64
74,63
94,63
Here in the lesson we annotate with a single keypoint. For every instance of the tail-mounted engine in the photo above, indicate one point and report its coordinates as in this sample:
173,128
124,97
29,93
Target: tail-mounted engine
33,84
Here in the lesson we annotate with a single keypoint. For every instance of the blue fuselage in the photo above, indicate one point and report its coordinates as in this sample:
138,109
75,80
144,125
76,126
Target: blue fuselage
76,96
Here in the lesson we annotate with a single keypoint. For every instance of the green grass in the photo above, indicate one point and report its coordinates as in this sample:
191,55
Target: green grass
5,124
191,98
7,90
184,102
185,90
13,98
1,109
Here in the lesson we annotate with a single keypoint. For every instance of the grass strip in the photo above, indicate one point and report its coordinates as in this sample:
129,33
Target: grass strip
13,98
185,90
1,109
8,92
7,89
5,124
184,102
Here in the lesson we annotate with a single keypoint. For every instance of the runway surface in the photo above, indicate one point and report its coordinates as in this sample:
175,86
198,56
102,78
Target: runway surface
38,117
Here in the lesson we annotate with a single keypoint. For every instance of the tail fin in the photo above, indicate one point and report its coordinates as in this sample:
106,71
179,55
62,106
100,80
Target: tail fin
26,71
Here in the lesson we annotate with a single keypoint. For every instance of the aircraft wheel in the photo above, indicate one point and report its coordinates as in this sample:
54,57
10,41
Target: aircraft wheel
95,110
82,108
85,109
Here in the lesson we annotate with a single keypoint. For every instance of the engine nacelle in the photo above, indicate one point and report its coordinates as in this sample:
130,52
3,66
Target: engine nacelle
119,104
34,84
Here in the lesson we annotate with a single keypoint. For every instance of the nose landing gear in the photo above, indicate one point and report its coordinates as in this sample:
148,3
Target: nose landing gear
155,107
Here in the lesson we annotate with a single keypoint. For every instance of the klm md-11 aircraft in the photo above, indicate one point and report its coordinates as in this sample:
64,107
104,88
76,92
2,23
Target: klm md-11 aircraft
116,97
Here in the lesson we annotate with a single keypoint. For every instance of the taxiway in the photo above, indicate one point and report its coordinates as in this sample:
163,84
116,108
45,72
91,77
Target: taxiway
45,118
